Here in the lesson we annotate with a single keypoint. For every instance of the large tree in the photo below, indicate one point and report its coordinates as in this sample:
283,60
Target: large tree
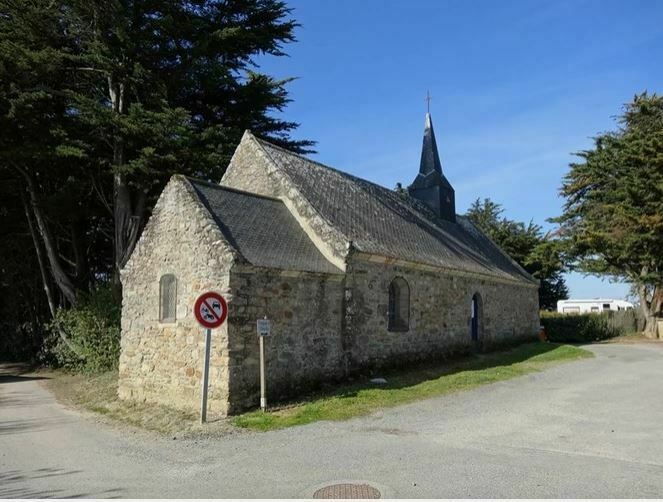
612,222
102,100
156,87
39,147
527,245
170,86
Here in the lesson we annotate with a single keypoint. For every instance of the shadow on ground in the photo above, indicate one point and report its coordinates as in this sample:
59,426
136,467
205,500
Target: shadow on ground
17,372
413,374
27,484
19,378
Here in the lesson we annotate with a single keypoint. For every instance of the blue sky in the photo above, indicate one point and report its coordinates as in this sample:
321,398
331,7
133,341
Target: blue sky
517,87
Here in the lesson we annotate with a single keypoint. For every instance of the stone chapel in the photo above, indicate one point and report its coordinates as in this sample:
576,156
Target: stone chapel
352,275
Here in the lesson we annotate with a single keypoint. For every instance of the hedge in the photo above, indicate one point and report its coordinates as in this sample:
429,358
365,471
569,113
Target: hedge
584,328
92,331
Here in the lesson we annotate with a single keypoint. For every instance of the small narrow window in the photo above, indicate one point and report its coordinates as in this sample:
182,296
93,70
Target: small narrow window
476,320
606,306
167,298
399,305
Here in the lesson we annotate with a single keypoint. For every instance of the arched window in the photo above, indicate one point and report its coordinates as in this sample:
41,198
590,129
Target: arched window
168,298
476,317
399,305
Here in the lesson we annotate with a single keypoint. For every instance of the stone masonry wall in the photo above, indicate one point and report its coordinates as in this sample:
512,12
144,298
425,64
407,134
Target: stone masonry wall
162,362
326,327
440,313
305,345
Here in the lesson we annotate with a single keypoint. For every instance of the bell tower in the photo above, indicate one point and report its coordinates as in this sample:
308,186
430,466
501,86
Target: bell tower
431,186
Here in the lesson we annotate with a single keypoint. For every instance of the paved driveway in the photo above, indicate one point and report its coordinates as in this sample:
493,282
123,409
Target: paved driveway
592,428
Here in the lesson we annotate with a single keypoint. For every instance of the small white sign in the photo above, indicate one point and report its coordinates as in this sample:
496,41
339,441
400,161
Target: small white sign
264,327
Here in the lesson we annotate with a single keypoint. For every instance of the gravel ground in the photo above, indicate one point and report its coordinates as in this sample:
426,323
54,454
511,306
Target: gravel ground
590,428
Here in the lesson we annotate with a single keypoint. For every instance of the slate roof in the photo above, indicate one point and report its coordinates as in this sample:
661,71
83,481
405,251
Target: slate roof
262,229
430,166
382,222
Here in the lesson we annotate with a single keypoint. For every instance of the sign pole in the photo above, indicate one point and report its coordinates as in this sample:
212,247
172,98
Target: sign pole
211,311
263,390
203,401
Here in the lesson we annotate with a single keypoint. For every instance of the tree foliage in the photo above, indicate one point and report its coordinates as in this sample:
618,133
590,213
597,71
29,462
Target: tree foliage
612,222
102,100
527,245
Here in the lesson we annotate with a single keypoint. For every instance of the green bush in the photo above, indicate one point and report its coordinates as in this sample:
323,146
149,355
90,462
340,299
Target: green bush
86,337
584,328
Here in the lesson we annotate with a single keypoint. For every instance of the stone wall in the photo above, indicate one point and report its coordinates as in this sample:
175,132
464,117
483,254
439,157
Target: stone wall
327,327
440,313
305,346
162,362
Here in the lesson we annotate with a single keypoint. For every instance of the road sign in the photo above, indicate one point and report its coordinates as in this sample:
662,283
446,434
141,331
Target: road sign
264,327
211,310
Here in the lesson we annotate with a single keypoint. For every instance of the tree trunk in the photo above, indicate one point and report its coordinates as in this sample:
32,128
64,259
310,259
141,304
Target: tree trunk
128,220
52,306
80,255
40,258
128,214
652,309
62,280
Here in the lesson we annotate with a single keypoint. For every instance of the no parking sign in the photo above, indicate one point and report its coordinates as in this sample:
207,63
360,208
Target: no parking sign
211,311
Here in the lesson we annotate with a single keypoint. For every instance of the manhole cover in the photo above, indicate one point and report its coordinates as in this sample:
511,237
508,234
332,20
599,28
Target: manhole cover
347,491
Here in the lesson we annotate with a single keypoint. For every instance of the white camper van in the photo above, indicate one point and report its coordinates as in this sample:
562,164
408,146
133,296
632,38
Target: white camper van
592,305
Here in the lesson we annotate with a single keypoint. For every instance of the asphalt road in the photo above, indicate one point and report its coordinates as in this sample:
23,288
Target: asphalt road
592,428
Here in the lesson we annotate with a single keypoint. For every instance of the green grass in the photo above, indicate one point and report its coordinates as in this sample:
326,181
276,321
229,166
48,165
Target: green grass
405,386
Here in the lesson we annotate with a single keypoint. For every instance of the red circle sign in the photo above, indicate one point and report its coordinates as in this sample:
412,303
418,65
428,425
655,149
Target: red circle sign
211,310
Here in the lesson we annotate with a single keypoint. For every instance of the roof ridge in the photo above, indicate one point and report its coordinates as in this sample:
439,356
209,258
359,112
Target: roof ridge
333,169
414,206
320,164
298,155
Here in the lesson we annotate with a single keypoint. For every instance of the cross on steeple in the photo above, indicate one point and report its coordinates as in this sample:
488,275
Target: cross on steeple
428,99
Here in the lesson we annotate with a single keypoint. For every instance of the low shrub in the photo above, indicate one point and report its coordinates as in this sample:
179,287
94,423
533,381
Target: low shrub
86,337
585,328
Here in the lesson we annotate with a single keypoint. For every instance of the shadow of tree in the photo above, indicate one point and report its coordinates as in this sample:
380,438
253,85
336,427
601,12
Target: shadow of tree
17,372
29,425
20,378
401,378
21,484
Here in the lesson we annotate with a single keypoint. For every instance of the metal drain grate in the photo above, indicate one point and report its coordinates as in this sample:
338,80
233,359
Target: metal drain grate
347,491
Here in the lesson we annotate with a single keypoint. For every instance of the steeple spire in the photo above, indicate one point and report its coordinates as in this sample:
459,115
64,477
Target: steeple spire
430,159
431,186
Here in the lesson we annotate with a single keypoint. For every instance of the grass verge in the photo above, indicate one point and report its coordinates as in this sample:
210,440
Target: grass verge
405,386
98,394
